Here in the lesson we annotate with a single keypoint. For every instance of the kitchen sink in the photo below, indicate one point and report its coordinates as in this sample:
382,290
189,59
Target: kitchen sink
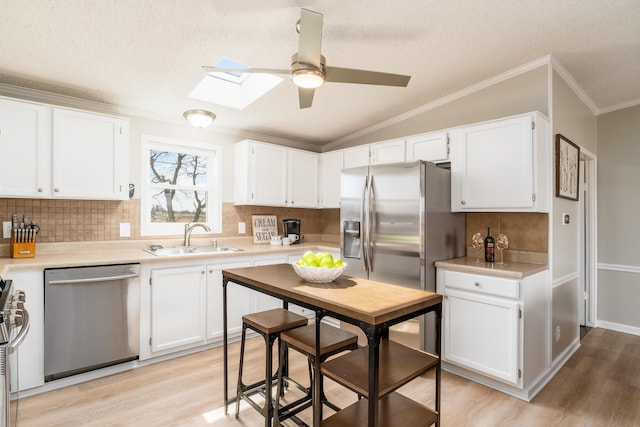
183,250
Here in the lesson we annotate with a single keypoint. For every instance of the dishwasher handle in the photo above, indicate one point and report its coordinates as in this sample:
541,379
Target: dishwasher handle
93,279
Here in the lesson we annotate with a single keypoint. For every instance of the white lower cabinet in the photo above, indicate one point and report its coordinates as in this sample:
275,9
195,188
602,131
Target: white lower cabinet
182,306
178,307
239,302
264,301
494,329
482,334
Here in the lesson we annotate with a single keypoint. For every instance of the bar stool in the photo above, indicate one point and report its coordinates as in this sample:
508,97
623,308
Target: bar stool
332,341
269,324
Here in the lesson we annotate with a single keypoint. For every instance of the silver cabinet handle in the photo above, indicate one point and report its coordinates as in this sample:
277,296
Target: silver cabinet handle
462,202
57,190
477,284
40,189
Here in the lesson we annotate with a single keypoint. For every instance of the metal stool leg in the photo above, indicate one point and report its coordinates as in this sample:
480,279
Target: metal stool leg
239,392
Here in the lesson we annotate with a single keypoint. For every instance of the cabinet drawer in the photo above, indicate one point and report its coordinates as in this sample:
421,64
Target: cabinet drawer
488,285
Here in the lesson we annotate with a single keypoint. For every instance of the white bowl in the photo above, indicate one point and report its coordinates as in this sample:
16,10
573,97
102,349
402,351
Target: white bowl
318,274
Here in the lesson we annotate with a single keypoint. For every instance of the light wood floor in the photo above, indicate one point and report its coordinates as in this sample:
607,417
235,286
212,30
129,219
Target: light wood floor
599,386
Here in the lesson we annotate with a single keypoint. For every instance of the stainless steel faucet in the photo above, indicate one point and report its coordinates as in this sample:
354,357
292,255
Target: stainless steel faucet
189,227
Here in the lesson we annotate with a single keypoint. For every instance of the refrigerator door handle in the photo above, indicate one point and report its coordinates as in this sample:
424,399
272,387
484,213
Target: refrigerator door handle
363,214
370,219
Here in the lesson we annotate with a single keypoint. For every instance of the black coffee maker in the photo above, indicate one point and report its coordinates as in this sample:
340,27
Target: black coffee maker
291,226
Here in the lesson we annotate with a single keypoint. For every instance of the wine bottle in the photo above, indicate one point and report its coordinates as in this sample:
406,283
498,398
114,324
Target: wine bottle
489,247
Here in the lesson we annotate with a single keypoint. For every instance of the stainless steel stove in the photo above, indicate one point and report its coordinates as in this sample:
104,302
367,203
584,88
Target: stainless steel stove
14,326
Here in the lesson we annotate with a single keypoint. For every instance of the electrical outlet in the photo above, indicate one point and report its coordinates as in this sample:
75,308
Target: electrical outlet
242,227
125,229
566,219
6,229
557,333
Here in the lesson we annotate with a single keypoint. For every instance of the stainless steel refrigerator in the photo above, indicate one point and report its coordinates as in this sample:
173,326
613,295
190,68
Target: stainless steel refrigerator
395,222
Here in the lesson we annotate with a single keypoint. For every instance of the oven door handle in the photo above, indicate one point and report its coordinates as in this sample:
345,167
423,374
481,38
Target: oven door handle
13,345
93,279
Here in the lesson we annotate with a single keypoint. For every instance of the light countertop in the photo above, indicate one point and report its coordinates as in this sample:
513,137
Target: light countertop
516,270
59,255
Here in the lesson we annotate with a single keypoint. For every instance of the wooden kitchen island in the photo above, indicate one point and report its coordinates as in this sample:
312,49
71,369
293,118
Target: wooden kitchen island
374,371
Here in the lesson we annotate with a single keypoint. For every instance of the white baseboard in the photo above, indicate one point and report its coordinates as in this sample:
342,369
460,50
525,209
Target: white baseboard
619,327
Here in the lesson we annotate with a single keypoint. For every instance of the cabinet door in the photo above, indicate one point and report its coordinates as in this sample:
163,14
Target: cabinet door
431,147
178,307
329,184
356,156
25,149
388,152
269,175
482,333
239,302
303,179
264,301
90,153
492,166
27,364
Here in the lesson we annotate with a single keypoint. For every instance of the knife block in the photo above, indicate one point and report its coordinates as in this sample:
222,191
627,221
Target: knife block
23,249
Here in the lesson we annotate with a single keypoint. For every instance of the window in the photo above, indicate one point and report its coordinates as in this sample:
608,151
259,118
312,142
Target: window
180,184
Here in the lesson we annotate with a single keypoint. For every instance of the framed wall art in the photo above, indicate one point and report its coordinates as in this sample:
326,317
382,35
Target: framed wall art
567,168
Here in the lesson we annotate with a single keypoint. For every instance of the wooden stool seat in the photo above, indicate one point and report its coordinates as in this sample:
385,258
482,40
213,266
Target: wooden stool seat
303,339
269,324
274,321
332,340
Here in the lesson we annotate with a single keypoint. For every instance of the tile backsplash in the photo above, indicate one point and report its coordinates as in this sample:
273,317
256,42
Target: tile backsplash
99,220
527,232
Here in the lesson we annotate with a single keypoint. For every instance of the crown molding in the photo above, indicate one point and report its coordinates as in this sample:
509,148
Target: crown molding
545,60
573,84
622,106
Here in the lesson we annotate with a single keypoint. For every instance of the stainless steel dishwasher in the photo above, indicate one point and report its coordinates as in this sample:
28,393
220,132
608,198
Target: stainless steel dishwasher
91,318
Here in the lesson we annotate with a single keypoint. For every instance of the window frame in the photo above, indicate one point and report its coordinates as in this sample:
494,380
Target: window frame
213,154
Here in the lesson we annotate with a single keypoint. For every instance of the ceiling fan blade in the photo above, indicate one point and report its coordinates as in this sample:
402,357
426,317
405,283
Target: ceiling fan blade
210,69
306,97
350,75
310,40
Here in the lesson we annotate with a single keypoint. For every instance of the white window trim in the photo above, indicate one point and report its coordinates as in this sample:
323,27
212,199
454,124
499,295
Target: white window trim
214,208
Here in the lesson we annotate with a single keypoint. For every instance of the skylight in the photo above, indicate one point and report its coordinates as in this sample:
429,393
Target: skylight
235,90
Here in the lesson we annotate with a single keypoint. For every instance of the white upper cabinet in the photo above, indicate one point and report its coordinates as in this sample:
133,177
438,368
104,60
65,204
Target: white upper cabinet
329,187
501,165
90,153
56,152
302,179
356,156
271,175
260,174
431,147
25,149
392,151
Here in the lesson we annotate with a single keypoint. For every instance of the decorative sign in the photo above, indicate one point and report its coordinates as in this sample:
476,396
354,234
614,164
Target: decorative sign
263,227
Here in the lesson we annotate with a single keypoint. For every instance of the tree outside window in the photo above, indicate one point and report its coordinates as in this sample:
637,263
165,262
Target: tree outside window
179,187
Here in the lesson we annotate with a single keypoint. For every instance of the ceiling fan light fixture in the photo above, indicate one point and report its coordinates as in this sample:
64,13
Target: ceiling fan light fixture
199,118
307,78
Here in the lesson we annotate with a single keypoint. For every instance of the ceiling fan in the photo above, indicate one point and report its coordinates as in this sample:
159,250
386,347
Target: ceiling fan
308,70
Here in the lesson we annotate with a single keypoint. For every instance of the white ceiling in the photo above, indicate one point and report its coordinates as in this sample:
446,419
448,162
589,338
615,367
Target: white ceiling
145,55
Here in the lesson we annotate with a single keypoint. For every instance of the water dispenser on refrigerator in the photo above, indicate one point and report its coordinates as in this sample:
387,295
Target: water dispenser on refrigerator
351,239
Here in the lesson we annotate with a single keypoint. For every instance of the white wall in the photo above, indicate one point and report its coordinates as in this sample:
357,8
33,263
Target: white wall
517,93
574,120
618,220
